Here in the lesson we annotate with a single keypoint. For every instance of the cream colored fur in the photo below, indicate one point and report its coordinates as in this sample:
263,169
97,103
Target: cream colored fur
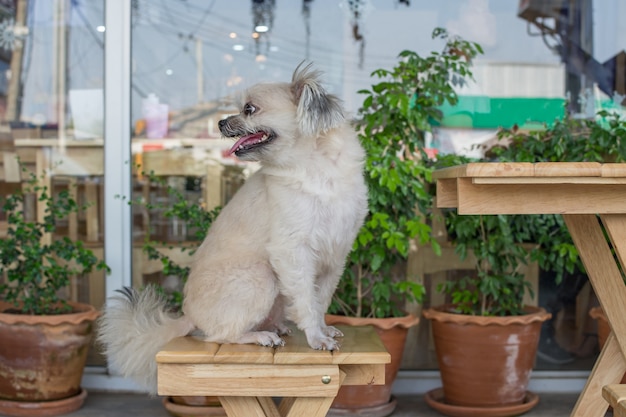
277,249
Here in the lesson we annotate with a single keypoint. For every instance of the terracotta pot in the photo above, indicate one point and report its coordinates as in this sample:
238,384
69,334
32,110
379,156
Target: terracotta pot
485,361
42,357
604,329
374,400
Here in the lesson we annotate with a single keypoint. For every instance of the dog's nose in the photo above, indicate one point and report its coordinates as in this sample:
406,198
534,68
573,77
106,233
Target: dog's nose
222,123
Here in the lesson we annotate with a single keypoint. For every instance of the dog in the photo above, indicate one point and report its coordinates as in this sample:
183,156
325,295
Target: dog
277,250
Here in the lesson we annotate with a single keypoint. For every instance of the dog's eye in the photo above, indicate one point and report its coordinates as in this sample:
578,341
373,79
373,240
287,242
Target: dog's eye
248,109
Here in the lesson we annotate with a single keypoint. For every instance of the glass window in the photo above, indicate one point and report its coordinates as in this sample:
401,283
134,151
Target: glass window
191,61
52,117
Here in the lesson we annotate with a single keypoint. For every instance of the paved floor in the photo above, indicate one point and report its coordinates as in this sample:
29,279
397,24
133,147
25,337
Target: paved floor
118,405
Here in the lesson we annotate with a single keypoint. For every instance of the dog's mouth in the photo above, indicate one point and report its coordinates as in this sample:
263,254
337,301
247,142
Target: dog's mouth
250,142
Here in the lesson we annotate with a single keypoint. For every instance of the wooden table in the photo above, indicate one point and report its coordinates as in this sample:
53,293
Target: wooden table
246,377
590,196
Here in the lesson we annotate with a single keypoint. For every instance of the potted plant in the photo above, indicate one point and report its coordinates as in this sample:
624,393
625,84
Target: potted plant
44,339
394,118
486,338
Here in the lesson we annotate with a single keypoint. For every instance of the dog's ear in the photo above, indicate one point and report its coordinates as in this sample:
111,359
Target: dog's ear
317,111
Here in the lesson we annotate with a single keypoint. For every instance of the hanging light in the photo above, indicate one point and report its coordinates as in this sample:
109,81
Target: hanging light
262,21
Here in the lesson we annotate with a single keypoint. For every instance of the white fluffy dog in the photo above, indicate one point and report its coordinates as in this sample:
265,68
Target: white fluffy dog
277,249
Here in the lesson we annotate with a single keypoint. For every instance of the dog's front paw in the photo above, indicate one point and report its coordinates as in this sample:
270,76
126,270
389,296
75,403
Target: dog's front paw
318,340
332,331
325,343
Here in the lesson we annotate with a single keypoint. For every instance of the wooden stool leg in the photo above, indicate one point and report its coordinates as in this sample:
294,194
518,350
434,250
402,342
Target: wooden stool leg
310,407
267,404
242,406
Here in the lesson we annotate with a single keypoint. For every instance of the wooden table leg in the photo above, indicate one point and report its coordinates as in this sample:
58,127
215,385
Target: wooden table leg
609,369
609,287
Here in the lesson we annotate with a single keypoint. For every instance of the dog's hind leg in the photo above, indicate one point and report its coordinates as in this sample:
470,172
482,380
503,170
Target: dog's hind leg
228,302
275,322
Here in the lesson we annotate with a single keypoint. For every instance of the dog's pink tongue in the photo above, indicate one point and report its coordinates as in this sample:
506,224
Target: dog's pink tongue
244,139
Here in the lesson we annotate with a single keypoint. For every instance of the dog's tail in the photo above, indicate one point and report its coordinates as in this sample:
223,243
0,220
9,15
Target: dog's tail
134,327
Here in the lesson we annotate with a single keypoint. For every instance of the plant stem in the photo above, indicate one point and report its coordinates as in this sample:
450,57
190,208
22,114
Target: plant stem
359,290
483,266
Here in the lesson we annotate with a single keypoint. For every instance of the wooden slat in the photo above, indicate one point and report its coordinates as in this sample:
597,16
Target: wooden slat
614,170
243,406
12,170
297,351
361,345
616,228
599,263
450,172
92,217
268,406
611,292
310,407
527,169
568,169
251,354
499,169
75,161
246,380
549,180
608,369
364,374
187,350
539,199
447,193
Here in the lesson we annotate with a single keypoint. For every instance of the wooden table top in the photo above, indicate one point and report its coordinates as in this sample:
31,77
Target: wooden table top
533,188
360,345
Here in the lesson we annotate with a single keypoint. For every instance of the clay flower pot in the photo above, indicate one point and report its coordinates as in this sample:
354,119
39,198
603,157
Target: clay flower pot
374,400
42,358
485,361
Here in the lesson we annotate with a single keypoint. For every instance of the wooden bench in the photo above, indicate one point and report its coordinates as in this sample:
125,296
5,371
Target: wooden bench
246,377
615,395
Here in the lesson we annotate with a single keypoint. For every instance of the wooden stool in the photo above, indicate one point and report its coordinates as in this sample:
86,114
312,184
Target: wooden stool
246,377
615,394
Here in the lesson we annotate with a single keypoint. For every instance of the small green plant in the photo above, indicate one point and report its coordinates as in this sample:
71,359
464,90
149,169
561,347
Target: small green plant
34,270
396,113
599,139
498,286
197,219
